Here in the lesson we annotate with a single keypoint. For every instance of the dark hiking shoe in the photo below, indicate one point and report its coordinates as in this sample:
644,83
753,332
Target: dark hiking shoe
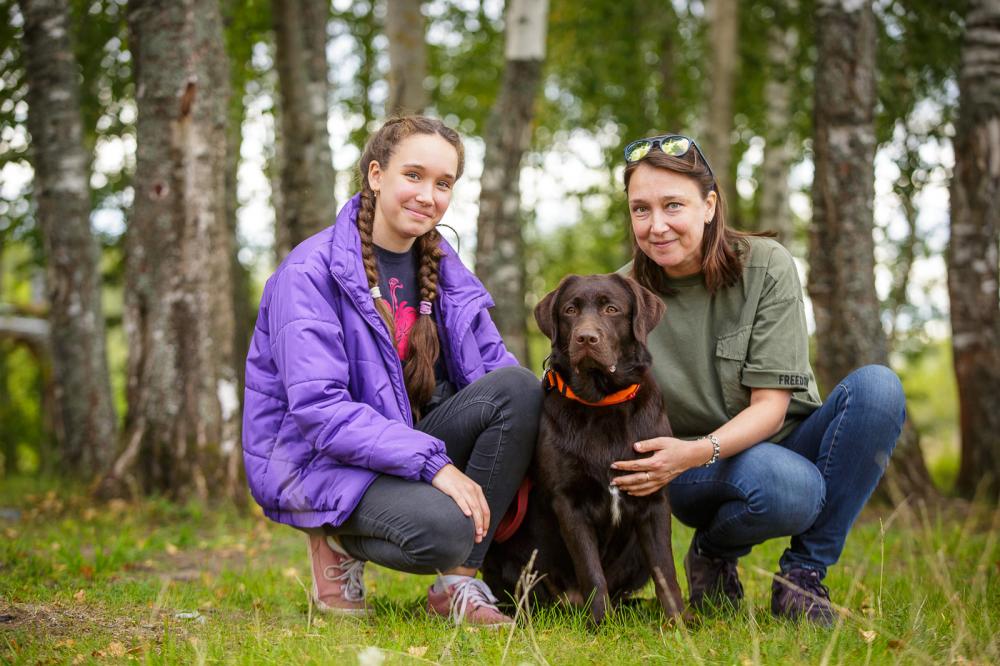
798,593
713,582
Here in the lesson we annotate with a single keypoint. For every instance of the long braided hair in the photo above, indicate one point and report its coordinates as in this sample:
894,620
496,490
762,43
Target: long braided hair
423,349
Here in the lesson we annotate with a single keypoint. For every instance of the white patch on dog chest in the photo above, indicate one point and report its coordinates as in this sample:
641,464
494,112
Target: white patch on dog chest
616,505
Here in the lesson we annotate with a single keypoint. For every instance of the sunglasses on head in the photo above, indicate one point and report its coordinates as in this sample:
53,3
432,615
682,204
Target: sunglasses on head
675,145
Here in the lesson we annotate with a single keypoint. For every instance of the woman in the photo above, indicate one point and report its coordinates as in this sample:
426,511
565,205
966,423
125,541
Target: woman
755,454
384,416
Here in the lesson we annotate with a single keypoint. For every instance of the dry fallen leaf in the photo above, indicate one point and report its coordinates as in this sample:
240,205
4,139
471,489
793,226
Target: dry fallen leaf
869,636
416,650
116,649
170,548
80,595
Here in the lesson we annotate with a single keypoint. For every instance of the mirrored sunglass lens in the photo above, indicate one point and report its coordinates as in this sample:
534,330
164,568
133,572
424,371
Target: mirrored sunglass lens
675,146
638,151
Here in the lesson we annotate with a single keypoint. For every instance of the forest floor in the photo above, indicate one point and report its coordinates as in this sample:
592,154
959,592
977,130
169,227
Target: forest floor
160,582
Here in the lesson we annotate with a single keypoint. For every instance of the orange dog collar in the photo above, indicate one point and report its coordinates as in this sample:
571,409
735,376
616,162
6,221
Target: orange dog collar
554,381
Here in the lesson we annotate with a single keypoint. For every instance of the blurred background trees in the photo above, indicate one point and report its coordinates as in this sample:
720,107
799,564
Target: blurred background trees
209,148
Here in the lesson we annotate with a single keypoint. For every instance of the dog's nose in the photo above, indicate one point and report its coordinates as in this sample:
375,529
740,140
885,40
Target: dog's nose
587,337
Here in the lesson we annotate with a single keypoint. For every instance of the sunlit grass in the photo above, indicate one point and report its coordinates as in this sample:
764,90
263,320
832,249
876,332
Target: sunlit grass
160,582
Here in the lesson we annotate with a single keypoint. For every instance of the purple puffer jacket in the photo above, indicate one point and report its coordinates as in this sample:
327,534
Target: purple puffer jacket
326,410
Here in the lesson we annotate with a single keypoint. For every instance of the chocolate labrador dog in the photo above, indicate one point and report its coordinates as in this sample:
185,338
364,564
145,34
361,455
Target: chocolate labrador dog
594,542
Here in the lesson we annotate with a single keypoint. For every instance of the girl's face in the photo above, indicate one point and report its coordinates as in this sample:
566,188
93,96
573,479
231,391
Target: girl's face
414,190
669,217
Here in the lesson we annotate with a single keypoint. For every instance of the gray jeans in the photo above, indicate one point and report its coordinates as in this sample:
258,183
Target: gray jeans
489,429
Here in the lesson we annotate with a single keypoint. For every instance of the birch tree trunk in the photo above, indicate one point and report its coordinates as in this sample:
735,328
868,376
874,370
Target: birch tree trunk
404,26
973,250
499,237
723,46
87,420
307,176
775,213
182,430
841,253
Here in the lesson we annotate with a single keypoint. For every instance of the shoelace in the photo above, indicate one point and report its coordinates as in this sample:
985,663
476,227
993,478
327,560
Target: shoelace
808,580
351,576
470,591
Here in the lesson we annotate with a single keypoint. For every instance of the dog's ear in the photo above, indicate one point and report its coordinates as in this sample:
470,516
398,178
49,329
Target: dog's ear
649,308
545,311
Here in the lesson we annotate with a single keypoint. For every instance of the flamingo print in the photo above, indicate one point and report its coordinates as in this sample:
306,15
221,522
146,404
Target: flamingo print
405,316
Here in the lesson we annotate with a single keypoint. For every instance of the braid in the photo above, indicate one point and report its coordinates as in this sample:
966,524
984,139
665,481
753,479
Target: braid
424,345
366,221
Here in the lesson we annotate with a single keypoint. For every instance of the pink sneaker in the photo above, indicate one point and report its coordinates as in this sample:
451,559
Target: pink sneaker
465,600
338,579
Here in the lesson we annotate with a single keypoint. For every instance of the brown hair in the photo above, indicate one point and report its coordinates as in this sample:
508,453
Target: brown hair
423,349
722,248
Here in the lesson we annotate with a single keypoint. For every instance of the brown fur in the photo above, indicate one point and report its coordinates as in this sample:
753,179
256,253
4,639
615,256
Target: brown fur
594,322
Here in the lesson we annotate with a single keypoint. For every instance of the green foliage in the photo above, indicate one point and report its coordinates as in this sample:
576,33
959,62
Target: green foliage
183,583
357,94
918,56
464,63
629,67
932,400
13,87
21,387
100,40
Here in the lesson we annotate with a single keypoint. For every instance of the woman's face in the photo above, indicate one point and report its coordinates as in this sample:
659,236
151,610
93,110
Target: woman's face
669,217
414,190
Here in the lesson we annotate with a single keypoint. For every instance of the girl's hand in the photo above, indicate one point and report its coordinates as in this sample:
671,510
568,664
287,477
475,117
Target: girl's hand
468,495
670,458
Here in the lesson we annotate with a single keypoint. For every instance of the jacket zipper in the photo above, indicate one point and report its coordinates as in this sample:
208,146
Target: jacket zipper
382,334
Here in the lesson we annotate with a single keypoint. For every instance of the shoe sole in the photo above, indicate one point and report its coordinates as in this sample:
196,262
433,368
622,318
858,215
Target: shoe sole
344,612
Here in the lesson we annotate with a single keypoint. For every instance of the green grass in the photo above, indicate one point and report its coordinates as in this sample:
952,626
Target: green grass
160,582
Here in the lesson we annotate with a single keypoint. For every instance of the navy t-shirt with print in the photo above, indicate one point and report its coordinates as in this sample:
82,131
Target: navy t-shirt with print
397,280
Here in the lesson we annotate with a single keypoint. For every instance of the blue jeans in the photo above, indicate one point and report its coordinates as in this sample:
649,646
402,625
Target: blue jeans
811,486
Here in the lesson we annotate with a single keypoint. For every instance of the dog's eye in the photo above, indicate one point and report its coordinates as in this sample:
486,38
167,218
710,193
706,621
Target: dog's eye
570,310
611,309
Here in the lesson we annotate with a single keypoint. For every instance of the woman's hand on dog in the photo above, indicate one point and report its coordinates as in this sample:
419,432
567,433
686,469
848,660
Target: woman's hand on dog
670,458
468,495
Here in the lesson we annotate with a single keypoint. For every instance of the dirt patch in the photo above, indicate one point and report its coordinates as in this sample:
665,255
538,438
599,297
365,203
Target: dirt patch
190,565
58,622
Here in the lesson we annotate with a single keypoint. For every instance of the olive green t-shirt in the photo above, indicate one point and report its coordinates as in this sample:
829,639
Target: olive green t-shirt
710,350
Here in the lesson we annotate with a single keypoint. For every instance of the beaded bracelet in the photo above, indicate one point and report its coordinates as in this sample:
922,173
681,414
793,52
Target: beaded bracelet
715,449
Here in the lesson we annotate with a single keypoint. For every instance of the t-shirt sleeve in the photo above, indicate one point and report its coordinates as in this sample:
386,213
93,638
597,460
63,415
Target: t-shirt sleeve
778,352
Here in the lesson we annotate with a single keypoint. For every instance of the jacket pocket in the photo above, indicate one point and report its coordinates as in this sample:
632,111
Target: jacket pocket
730,355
